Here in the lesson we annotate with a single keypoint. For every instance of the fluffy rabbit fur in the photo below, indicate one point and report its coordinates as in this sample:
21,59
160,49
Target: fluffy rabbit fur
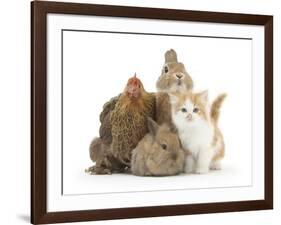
173,78
158,153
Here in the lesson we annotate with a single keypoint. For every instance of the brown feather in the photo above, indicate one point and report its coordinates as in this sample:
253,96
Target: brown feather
129,123
105,127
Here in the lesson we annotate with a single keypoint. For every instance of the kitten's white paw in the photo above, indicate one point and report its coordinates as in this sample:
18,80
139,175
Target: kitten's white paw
189,165
188,169
202,170
215,166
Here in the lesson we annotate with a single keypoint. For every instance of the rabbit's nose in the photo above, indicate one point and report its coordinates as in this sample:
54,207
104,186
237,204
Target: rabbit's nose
179,76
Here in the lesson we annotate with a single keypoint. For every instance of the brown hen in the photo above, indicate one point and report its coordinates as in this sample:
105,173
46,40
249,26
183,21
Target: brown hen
123,125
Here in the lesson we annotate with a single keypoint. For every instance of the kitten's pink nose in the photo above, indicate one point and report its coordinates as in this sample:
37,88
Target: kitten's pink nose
189,116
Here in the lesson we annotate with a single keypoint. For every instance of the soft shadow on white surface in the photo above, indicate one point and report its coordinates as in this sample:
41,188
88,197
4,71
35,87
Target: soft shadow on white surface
84,183
25,218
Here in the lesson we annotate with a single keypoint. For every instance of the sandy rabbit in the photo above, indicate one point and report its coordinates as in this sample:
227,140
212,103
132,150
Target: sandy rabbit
173,78
158,153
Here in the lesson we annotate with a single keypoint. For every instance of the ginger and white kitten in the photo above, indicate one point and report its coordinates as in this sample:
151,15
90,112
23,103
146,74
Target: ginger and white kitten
197,125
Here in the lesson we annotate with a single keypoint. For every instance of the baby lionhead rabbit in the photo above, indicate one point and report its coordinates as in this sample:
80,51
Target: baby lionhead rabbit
158,153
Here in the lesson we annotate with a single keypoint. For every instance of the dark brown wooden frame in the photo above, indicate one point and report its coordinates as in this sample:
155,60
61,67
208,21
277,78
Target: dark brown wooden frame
39,11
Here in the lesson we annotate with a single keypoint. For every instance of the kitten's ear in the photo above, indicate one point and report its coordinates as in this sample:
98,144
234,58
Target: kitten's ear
204,96
152,126
173,98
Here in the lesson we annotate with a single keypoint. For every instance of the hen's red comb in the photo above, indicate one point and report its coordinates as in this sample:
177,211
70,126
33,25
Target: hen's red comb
134,80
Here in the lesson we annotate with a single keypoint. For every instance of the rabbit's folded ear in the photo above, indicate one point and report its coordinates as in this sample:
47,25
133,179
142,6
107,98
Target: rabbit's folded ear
173,129
171,56
152,126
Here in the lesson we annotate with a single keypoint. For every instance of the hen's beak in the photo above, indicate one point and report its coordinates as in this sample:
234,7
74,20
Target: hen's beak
133,90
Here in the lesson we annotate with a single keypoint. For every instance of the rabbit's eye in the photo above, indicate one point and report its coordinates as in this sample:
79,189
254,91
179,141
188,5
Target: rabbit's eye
184,110
164,146
195,110
166,69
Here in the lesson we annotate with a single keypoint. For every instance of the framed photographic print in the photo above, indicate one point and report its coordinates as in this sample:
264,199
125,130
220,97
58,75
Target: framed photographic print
143,112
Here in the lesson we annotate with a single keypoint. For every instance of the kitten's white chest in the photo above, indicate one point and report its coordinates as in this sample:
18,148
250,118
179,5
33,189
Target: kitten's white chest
195,137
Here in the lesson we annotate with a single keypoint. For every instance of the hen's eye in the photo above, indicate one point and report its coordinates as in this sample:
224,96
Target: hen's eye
166,69
164,146
195,110
184,110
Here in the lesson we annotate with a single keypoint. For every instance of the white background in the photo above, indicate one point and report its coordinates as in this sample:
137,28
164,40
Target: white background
15,111
96,68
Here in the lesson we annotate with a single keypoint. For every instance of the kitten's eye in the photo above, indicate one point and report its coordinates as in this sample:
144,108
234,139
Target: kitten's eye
166,69
164,146
195,110
184,110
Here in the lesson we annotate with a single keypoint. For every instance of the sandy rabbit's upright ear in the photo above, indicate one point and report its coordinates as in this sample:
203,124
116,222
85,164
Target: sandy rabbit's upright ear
152,126
171,56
